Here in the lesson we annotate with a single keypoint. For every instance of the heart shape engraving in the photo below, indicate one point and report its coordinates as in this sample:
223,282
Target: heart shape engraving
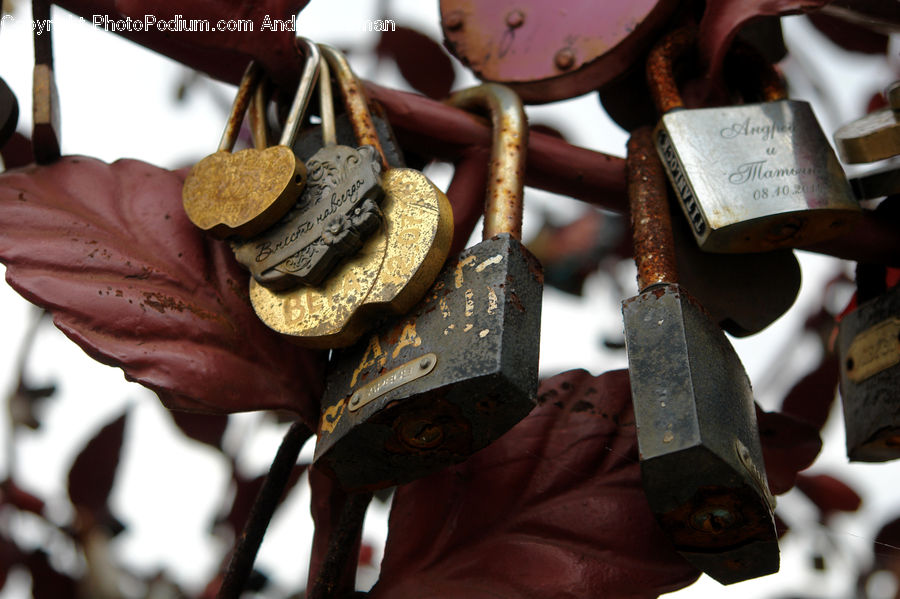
243,193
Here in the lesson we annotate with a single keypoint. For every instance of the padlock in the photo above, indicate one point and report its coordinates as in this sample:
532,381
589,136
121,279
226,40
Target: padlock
875,136
46,131
429,389
395,266
244,193
701,460
869,349
337,211
753,177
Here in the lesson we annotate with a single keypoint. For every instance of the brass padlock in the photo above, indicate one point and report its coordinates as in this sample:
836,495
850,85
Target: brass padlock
753,177
869,349
428,390
244,193
875,136
701,460
395,266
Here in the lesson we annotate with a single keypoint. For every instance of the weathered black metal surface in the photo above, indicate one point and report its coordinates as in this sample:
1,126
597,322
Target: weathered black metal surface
309,141
481,322
701,460
869,347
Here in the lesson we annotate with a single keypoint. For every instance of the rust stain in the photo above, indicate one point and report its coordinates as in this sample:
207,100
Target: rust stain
654,244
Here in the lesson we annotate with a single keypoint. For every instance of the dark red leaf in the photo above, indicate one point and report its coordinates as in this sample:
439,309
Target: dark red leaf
205,428
17,151
811,398
848,35
246,490
421,60
789,445
94,470
554,508
10,555
108,249
221,52
829,493
46,581
781,526
722,20
14,495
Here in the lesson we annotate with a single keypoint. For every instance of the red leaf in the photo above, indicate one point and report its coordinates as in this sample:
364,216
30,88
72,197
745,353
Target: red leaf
10,555
46,581
14,495
555,508
221,52
94,470
722,20
885,546
811,398
850,36
788,445
205,428
109,250
828,493
421,60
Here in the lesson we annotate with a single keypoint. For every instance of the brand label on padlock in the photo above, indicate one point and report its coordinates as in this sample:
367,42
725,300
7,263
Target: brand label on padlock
874,350
735,169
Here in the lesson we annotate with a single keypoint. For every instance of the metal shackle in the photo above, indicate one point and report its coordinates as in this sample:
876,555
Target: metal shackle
661,69
651,222
506,179
356,102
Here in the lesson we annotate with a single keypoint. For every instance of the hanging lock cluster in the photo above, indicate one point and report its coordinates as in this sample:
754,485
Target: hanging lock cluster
331,243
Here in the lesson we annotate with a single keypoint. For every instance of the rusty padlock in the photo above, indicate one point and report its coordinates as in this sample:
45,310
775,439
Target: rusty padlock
430,389
394,268
701,460
753,177
869,348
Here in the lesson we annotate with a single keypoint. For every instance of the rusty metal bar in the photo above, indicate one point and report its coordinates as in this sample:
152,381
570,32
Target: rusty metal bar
241,564
247,86
506,182
355,101
338,556
654,245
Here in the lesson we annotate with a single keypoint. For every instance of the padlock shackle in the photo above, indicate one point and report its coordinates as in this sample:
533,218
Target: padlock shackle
651,222
326,105
355,101
506,180
661,69
259,124
304,90
246,88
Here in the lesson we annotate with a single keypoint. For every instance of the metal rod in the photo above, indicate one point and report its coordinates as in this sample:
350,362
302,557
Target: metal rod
241,564
326,105
506,182
651,223
245,90
341,546
304,91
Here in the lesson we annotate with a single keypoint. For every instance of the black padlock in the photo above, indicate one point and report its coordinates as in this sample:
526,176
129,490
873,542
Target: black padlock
701,459
461,369
869,349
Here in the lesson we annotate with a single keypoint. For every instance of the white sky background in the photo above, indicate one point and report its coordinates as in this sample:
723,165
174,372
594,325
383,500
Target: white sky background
118,101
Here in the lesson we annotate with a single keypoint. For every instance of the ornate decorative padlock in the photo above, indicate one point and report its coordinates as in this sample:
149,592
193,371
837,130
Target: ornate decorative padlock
244,193
335,213
394,267
753,177
430,389
869,349
701,460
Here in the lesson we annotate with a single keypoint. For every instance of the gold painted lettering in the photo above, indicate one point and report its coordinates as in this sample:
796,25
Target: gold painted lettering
371,356
408,336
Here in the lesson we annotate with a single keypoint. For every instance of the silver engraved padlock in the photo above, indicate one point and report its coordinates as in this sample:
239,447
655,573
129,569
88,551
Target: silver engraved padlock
752,177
